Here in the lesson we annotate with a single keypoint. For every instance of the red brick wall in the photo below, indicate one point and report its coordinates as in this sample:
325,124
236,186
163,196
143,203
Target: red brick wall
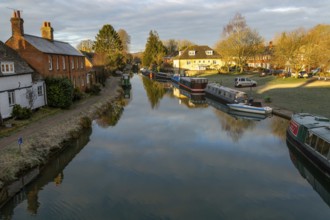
40,62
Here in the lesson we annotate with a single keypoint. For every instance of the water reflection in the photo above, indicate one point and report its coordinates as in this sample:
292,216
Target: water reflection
50,173
279,126
155,91
191,100
316,178
111,116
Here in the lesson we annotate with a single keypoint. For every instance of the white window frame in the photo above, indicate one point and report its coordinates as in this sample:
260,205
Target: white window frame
7,67
209,52
63,62
191,53
50,62
82,63
40,90
11,98
57,63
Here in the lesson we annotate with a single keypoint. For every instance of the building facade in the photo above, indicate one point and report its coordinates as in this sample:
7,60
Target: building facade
17,86
50,58
197,58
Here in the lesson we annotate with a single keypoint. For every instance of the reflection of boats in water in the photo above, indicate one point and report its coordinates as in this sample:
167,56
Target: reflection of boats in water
316,178
247,115
310,134
191,99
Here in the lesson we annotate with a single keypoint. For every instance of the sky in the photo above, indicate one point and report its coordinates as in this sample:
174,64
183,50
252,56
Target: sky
199,21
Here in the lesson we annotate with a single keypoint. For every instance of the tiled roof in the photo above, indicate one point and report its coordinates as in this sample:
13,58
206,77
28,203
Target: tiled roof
7,54
53,47
200,53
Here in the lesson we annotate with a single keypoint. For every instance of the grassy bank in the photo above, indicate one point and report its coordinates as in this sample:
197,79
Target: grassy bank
296,95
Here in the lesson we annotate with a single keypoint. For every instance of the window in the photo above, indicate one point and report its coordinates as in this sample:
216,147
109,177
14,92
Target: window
82,63
57,64
77,62
40,91
209,52
63,62
7,67
214,62
11,98
188,62
50,62
191,53
72,63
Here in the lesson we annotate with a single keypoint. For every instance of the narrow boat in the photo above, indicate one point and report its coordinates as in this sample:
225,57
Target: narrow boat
310,134
225,95
250,108
176,78
248,115
160,76
125,81
193,84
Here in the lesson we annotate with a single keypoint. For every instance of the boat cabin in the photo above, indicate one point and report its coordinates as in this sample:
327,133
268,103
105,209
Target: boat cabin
313,131
226,94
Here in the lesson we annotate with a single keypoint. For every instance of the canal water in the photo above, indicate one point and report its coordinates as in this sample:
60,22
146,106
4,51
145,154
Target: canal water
171,155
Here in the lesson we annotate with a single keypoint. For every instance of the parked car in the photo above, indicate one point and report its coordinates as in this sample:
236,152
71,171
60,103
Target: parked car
244,81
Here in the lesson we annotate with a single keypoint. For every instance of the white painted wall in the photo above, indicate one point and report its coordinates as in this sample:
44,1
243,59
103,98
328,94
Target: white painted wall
20,84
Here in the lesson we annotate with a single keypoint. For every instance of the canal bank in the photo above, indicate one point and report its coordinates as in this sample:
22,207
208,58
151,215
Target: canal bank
44,138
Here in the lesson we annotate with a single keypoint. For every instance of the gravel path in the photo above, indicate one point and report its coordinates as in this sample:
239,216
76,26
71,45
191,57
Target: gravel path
110,91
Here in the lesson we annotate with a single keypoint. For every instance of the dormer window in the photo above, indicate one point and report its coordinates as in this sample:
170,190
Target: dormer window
209,52
7,67
191,53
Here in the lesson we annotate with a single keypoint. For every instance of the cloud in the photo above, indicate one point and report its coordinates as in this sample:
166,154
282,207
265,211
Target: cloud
200,21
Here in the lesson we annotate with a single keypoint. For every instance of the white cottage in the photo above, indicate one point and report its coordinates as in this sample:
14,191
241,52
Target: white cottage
16,83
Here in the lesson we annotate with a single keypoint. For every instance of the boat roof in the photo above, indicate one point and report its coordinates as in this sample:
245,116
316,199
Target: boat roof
193,78
227,89
317,124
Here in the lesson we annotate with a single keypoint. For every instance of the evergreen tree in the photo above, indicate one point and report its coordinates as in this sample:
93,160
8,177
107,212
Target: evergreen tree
109,46
154,51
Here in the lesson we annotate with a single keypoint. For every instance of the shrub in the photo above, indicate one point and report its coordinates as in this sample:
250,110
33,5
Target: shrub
59,92
95,89
21,113
267,99
77,94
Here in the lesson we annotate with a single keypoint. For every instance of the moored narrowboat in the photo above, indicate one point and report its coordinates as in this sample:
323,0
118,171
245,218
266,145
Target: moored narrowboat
193,84
310,134
125,81
225,94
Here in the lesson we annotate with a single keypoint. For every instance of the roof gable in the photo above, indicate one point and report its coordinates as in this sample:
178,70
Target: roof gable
52,47
7,54
198,52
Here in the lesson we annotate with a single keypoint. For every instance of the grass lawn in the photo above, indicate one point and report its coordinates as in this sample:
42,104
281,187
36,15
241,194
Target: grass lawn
297,95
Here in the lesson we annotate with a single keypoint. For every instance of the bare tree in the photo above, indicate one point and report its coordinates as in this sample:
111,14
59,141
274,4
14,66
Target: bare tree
86,45
125,39
239,42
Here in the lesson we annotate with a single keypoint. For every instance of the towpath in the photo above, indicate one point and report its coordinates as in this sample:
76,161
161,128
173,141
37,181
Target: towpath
110,90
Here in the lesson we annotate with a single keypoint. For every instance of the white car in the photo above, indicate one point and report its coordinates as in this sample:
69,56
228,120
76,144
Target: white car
244,81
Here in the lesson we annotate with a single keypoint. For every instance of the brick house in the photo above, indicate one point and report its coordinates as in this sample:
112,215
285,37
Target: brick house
50,58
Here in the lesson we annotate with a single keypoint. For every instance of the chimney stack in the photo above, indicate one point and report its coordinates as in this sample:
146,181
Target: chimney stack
47,31
17,24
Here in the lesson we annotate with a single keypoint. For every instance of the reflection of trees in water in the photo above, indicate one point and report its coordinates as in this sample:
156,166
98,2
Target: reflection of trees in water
234,127
279,126
155,91
111,116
